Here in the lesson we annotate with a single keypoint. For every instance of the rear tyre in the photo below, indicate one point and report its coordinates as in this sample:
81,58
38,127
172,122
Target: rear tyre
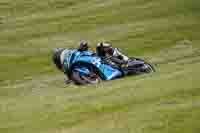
86,79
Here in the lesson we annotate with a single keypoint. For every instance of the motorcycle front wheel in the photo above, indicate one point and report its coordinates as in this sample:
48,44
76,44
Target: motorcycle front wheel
148,68
139,66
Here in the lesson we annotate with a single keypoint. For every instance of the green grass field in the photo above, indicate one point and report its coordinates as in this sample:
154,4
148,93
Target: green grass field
34,98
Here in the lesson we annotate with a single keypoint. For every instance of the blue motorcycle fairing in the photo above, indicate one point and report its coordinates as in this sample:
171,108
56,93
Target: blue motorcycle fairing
109,73
77,58
72,56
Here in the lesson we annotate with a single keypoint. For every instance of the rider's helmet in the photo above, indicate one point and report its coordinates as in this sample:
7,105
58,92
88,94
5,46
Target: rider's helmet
57,57
83,46
104,48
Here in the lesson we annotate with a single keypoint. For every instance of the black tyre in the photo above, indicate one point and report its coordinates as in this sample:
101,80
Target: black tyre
87,79
141,67
148,68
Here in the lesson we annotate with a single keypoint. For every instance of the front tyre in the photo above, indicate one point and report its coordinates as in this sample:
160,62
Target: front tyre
79,79
138,66
148,68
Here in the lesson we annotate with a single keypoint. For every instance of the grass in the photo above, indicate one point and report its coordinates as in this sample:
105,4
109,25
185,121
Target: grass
34,98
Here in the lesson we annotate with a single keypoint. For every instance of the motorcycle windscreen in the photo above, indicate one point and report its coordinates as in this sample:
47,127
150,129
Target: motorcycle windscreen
110,73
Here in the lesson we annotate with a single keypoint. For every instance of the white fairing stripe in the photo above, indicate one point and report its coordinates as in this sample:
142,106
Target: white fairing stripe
62,56
117,53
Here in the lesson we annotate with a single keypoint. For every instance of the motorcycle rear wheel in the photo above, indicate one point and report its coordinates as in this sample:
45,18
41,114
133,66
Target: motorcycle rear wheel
78,79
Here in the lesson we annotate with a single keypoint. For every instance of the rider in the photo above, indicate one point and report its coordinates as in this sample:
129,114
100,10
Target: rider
106,50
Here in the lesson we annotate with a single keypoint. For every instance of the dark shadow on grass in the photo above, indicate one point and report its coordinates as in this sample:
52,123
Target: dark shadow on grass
1,20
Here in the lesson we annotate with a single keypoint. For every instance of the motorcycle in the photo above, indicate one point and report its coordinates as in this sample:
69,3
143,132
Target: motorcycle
85,67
